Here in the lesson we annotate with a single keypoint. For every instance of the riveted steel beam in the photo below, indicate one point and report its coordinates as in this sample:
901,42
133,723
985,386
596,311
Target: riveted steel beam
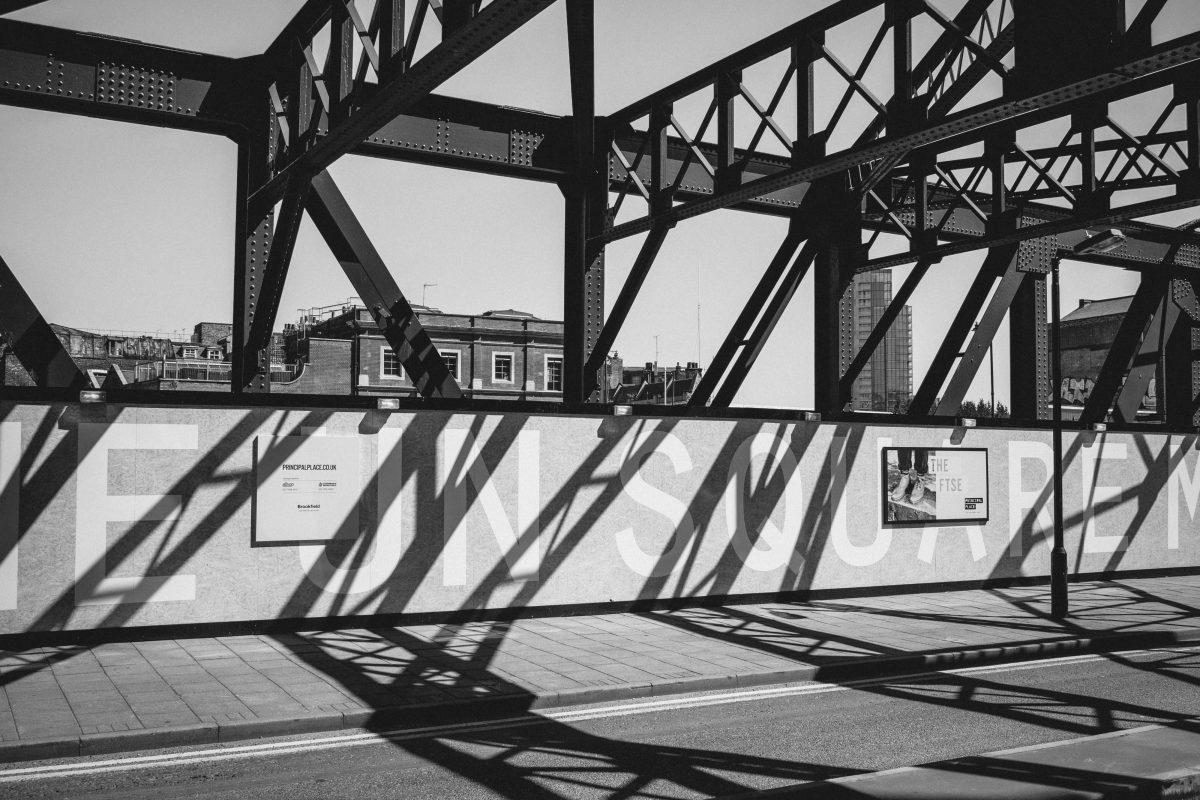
837,237
373,283
480,137
108,78
31,338
102,76
398,92
1161,66
586,207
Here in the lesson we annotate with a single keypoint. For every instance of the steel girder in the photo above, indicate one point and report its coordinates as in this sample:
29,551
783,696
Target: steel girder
356,106
31,338
375,285
1170,64
101,76
905,171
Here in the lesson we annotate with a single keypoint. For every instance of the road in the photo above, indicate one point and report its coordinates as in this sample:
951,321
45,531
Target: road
713,744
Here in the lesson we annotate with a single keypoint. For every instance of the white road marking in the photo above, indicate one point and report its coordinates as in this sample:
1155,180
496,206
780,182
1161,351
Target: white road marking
566,715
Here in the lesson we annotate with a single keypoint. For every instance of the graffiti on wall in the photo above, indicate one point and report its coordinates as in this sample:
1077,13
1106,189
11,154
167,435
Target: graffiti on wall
1076,391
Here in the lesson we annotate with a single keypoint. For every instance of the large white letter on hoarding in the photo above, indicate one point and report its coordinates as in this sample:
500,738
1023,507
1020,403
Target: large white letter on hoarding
782,545
1094,495
1181,478
1021,500
370,571
856,555
645,564
95,508
10,511
459,448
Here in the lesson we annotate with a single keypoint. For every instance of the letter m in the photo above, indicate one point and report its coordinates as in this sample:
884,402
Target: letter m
1180,478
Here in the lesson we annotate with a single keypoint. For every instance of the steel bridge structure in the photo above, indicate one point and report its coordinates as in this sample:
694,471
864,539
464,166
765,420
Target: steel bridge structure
953,159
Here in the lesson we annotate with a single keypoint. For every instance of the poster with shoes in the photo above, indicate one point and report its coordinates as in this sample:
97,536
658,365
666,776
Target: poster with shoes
930,484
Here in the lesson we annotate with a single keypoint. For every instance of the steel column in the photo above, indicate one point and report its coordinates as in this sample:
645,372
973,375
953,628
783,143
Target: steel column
840,253
1028,351
1181,375
253,232
586,202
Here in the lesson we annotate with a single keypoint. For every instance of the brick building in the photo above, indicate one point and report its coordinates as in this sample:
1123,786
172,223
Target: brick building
503,354
339,350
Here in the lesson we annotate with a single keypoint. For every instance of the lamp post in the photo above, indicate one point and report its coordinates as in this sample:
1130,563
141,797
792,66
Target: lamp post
1058,555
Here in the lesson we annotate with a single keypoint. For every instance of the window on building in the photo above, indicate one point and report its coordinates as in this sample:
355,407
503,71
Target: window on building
451,359
554,373
191,352
215,355
389,363
502,367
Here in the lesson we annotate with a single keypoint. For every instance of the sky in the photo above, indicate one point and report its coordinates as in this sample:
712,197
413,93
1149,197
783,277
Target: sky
115,226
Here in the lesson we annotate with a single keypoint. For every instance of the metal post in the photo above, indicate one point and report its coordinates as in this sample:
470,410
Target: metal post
1058,556
992,378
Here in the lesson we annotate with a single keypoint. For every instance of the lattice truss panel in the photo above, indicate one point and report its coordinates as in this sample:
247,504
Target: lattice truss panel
916,106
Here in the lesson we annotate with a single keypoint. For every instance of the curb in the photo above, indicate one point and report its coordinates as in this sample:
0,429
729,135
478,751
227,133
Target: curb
388,717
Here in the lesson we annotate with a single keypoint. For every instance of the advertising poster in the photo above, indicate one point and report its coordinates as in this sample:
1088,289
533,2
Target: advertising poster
308,488
930,484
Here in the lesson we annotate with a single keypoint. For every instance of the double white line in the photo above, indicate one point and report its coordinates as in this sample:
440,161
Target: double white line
566,715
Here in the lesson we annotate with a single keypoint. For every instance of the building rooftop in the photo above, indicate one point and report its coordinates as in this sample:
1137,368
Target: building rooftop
511,313
1105,307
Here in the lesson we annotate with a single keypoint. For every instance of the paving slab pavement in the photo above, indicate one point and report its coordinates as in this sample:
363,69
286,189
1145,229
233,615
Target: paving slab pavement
107,697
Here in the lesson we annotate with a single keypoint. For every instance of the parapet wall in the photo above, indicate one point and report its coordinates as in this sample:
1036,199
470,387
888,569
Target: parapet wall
124,516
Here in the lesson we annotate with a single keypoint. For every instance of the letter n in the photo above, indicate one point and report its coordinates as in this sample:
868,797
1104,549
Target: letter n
462,461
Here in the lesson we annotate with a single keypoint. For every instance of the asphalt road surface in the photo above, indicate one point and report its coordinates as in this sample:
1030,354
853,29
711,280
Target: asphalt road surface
704,745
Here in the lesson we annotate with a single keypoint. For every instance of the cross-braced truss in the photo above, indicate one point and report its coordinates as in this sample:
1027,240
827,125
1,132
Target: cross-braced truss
1017,128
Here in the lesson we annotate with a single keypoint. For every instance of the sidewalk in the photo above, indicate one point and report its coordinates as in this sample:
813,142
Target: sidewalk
62,701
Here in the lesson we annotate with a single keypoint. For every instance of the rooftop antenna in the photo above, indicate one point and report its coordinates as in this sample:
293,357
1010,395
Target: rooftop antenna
425,286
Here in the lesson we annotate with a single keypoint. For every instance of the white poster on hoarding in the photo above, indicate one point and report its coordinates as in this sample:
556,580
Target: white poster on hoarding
930,484
308,488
